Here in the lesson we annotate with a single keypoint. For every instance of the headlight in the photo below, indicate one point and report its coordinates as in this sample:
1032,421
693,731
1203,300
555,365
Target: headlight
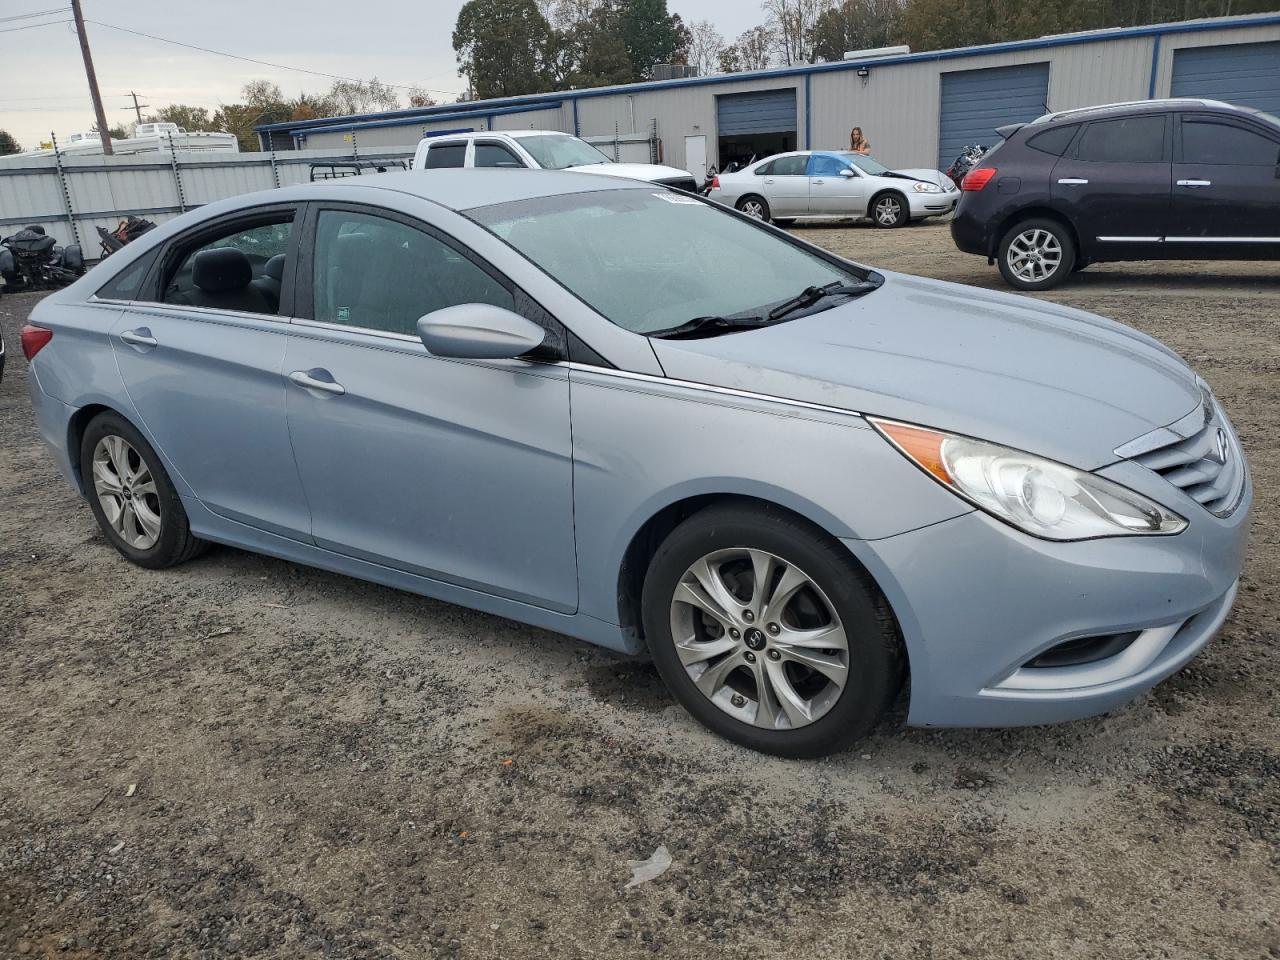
921,187
1038,496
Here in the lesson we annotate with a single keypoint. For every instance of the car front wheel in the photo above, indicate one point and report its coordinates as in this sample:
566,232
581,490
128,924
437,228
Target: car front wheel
755,207
889,210
1036,255
769,634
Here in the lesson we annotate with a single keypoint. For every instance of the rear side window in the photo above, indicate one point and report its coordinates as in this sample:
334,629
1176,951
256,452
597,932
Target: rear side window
495,155
764,169
1208,141
446,155
1128,140
241,270
790,166
1054,142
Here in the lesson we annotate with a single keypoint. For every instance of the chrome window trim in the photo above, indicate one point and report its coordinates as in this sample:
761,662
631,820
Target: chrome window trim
153,306
348,328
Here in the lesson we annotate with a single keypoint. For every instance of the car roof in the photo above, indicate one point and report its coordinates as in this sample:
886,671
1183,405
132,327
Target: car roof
1132,106
465,188
514,134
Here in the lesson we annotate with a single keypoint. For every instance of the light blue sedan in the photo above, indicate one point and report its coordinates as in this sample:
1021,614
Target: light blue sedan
630,415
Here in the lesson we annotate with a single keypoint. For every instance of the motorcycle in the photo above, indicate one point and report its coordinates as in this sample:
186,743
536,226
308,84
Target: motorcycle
125,232
969,158
31,260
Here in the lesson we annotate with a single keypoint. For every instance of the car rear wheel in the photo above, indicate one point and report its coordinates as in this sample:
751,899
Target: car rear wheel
768,632
889,210
1036,255
755,207
132,497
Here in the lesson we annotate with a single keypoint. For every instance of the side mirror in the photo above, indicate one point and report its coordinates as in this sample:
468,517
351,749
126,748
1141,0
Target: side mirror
478,331
847,172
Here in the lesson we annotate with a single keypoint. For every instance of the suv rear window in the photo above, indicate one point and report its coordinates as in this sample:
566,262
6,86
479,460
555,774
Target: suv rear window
1054,142
446,155
1128,140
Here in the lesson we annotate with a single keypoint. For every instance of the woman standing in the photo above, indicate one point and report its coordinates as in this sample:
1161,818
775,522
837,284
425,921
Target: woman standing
858,143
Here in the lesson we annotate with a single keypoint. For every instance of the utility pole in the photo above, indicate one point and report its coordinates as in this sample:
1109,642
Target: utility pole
136,108
103,131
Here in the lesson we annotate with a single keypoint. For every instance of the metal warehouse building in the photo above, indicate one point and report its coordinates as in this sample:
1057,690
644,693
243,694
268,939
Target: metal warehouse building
917,109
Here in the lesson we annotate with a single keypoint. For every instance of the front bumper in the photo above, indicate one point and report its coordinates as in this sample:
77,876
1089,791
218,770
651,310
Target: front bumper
931,204
977,600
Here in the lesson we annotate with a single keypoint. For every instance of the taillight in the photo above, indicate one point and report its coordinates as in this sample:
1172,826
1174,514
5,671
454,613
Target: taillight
715,183
978,178
33,339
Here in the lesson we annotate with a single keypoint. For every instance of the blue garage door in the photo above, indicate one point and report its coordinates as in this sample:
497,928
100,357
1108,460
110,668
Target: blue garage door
1247,74
769,111
975,102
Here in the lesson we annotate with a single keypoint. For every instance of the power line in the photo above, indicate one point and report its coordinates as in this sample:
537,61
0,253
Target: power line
32,26
28,16
261,63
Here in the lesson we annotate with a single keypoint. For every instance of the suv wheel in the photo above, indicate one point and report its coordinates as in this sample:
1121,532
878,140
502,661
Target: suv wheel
1036,255
768,632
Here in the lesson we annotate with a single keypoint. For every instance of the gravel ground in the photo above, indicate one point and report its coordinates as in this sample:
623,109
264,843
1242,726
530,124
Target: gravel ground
244,758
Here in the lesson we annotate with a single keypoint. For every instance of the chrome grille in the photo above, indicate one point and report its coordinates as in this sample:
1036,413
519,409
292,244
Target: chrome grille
1200,455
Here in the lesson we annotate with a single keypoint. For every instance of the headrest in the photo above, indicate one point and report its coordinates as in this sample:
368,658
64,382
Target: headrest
274,267
221,269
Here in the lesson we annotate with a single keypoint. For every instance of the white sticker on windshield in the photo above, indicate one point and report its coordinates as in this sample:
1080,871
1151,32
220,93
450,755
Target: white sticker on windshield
679,198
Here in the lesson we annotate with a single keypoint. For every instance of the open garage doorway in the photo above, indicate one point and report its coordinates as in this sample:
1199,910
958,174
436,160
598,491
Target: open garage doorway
755,125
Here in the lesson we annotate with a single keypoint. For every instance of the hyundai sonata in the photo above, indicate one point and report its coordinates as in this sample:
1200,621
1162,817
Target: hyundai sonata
793,480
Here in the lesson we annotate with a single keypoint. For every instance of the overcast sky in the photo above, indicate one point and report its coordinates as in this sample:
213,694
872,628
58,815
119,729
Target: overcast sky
42,83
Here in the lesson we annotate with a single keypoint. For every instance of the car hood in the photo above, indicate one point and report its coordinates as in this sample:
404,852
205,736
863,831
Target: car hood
929,176
1039,377
635,171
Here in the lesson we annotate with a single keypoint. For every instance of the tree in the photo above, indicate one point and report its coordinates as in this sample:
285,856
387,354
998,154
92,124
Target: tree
856,25
752,50
705,46
185,116
118,132
8,145
357,96
421,97
792,23
501,47
649,34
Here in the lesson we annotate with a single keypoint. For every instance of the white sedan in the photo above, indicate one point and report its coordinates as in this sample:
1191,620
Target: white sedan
824,185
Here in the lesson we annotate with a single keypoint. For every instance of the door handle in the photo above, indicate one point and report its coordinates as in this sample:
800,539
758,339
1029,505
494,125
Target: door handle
140,338
1073,181
769,180
1195,183
303,378
819,181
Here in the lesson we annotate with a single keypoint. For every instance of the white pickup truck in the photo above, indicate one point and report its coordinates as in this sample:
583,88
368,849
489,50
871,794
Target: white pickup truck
537,149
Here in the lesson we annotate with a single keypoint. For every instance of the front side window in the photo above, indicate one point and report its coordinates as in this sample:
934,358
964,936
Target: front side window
446,155
1129,140
559,151
380,274
825,165
491,154
240,270
790,166
1207,141
626,253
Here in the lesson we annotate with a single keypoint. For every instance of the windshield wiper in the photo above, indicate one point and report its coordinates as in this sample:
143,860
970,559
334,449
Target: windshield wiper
708,326
810,296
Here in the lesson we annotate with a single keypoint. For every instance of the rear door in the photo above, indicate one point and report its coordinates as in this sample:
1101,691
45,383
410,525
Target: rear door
1115,184
834,193
1226,183
202,361
786,186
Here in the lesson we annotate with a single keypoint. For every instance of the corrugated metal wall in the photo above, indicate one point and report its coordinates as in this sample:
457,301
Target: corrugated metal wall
1210,38
1244,73
973,103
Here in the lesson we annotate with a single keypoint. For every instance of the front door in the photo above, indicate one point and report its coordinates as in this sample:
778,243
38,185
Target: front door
201,364
1226,184
836,188
456,470
1116,187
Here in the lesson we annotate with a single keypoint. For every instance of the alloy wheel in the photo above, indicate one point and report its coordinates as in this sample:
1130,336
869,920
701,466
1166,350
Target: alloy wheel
1034,255
127,492
754,209
759,638
888,210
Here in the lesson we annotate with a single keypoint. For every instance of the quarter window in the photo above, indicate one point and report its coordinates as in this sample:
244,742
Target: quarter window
1129,140
495,155
442,155
1054,142
764,169
240,270
380,274
1205,141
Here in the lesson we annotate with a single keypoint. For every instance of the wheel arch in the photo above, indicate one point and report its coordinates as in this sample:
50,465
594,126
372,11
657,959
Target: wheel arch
906,203
76,426
1036,212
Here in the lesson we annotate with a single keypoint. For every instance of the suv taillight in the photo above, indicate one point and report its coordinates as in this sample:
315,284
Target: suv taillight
34,339
978,178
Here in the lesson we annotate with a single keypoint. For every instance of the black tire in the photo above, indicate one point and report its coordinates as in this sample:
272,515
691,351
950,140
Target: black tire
785,222
898,201
876,661
1065,265
176,543
744,205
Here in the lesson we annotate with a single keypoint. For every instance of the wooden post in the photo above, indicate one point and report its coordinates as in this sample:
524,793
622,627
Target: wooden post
103,132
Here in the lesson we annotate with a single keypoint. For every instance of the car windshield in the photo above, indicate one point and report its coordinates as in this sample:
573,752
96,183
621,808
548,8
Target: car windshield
868,165
557,151
651,260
